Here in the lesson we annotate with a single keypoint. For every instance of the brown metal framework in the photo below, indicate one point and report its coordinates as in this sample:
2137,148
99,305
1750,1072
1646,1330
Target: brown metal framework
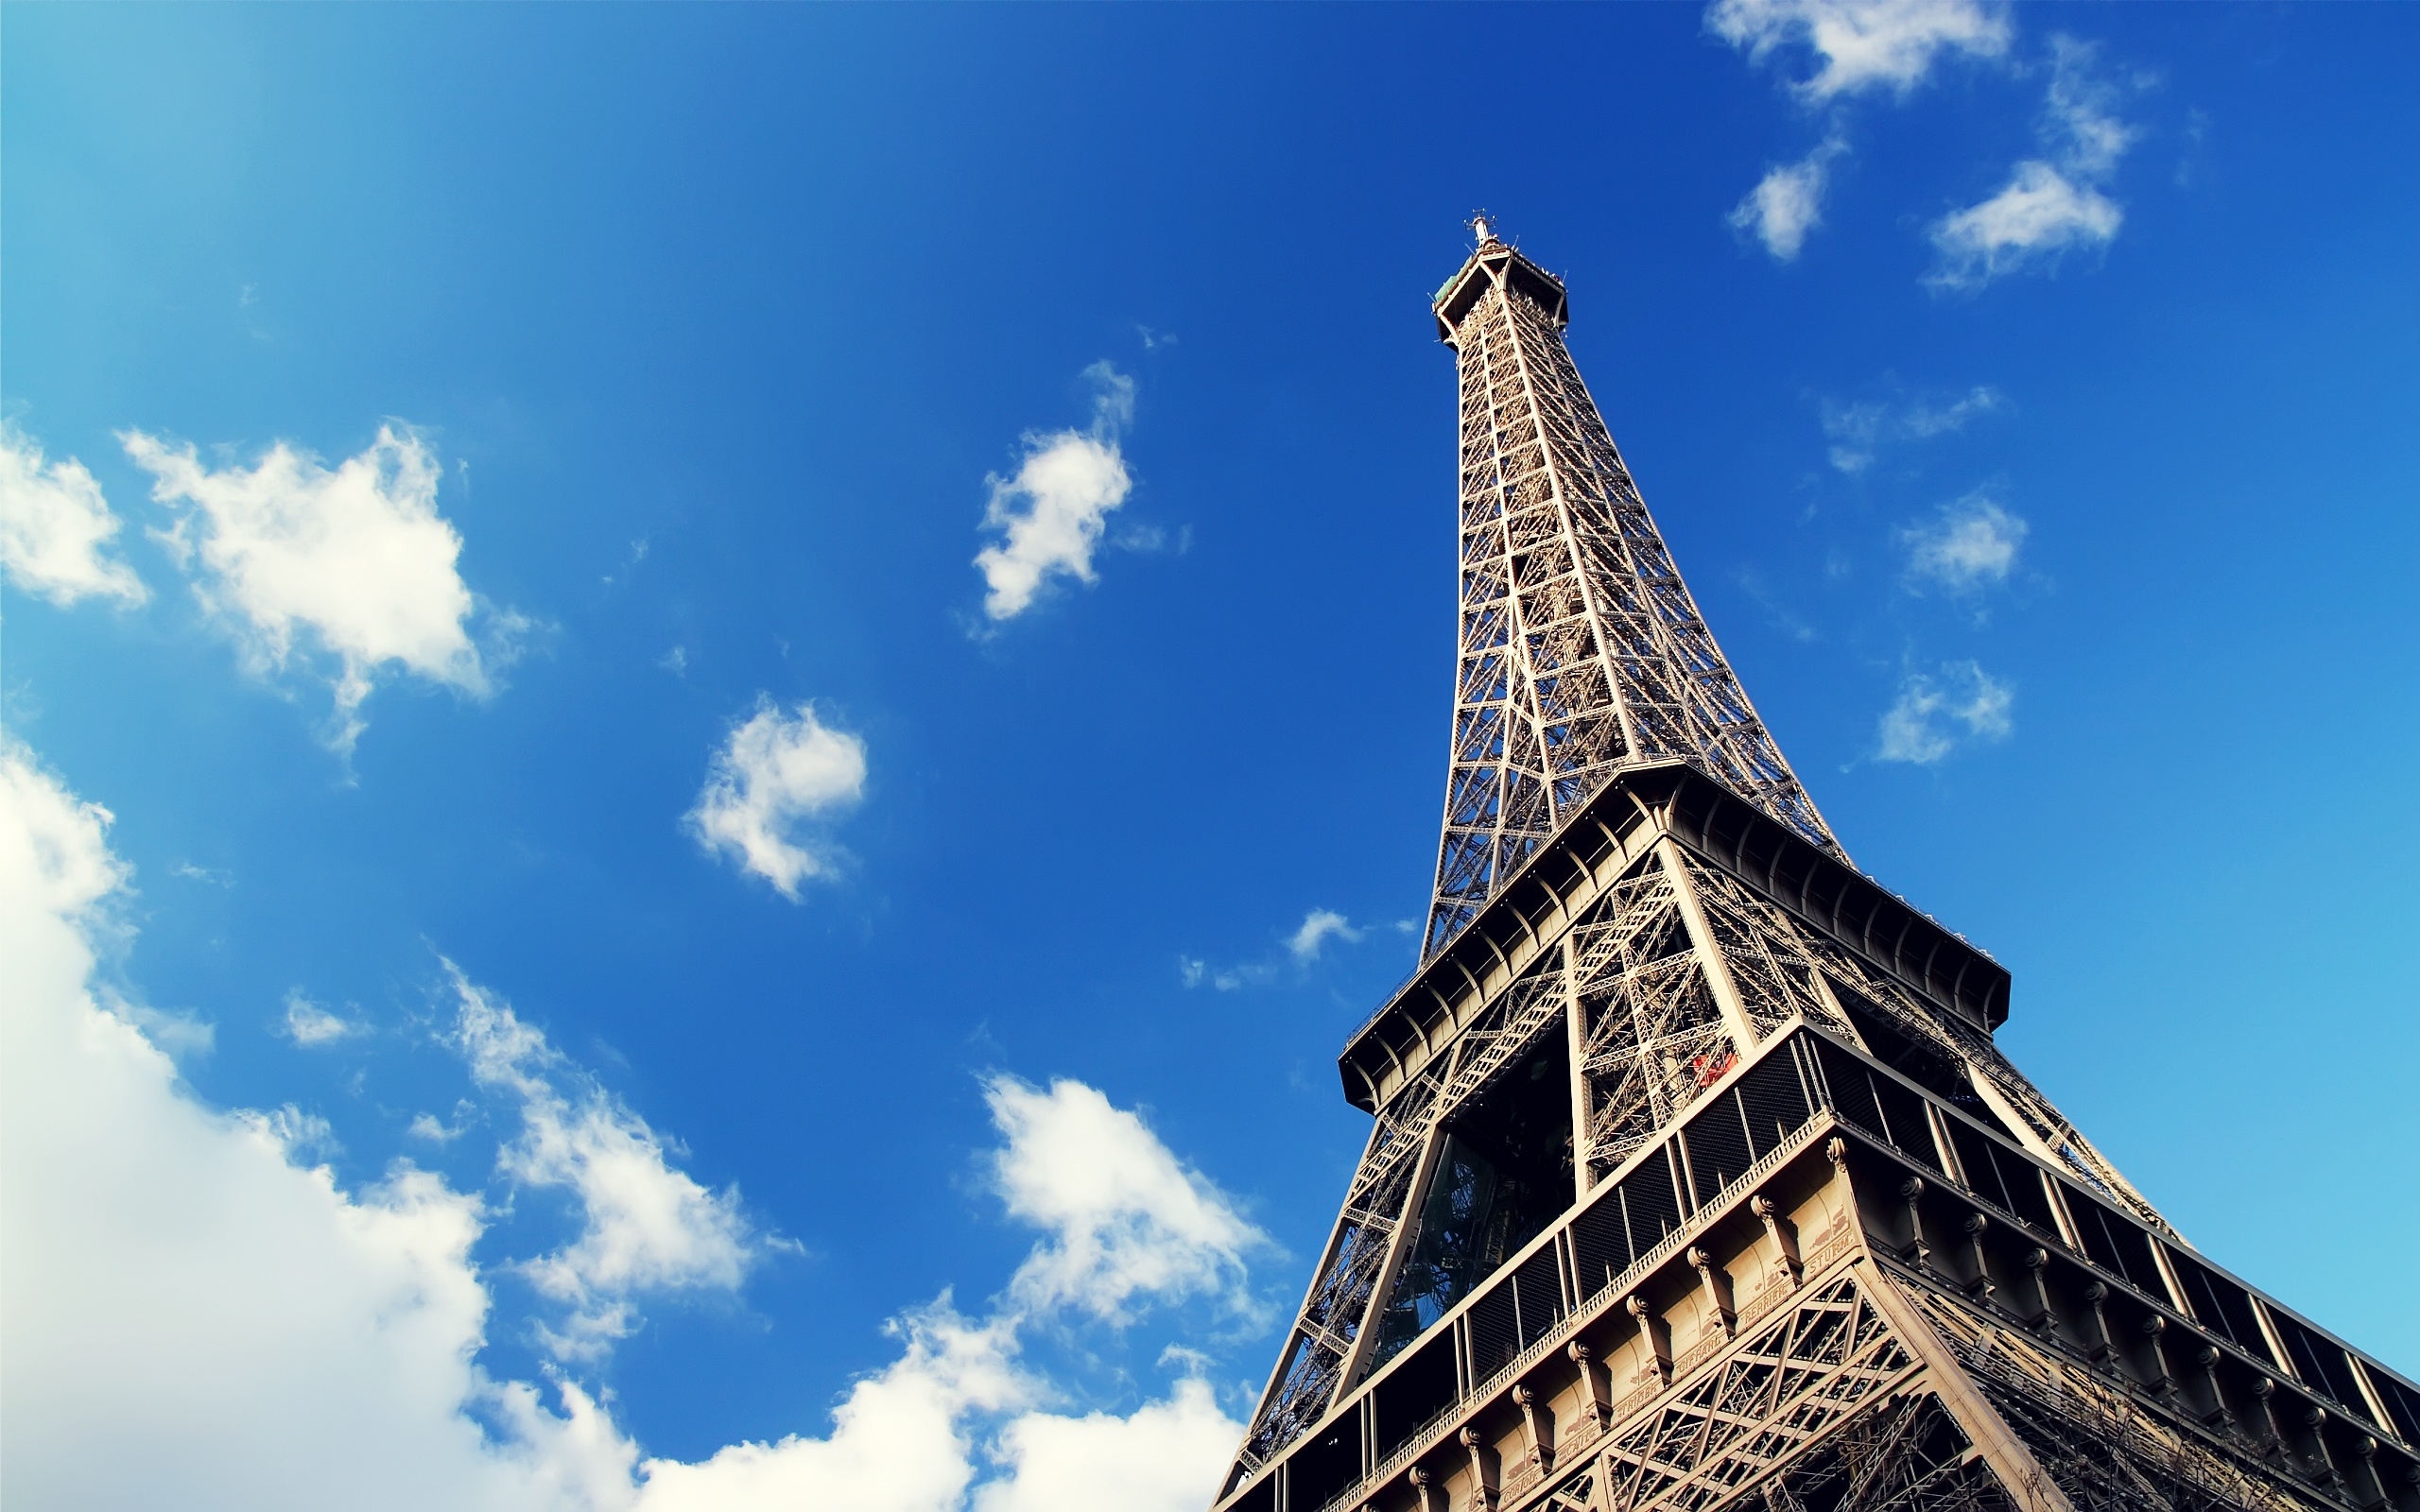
1582,650
1696,1180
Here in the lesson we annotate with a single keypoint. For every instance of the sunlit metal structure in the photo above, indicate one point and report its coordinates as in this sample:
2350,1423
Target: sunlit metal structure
1696,1181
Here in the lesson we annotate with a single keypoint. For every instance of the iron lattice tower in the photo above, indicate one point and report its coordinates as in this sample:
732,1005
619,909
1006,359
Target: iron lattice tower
1697,1181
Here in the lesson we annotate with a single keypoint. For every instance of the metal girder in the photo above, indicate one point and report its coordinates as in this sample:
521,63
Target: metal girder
1582,651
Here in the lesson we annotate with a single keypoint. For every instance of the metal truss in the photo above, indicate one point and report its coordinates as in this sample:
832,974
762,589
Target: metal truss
1581,650
1675,974
1657,965
1807,1372
1330,1342
2098,1444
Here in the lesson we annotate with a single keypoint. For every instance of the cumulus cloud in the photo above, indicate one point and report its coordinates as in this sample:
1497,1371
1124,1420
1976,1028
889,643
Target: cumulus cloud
54,527
1863,45
901,1439
1320,926
1788,201
775,774
1121,1215
1163,1457
193,1318
197,1319
1935,713
1122,1219
647,1226
1050,513
2050,205
353,562
1971,544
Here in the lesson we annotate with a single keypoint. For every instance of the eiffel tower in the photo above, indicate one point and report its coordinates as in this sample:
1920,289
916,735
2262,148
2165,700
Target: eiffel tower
1696,1179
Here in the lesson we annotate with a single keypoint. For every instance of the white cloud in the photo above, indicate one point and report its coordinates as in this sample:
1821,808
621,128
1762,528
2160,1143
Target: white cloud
1166,1457
294,1131
1859,431
1863,44
1974,543
1788,201
774,773
2039,214
54,527
194,1319
1320,926
1067,482
1122,1217
1922,726
356,560
2047,207
308,1023
901,1439
2079,115
647,1226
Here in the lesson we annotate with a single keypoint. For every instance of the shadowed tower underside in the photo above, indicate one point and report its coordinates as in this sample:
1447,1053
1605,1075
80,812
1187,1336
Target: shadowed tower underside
1696,1179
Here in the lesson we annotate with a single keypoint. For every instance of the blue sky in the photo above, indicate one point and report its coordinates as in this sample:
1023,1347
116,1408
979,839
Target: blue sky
615,926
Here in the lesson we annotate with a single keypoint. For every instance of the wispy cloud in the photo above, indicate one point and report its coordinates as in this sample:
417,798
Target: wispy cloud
1788,201
355,560
2052,205
1301,948
647,1226
1862,45
311,1024
1859,431
1970,544
1320,926
56,527
1049,515
774,774
1936,712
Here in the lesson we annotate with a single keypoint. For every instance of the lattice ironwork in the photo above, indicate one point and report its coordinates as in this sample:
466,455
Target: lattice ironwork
2091,1439
1800,1376
1333,1317
1652,973
1582,650
1652,1036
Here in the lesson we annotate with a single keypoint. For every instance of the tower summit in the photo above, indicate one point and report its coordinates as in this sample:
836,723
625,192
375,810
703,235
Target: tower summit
1583,653
1696,1179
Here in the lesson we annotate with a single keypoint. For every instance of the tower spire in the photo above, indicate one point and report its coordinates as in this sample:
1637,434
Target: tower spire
1582,651
1696,1182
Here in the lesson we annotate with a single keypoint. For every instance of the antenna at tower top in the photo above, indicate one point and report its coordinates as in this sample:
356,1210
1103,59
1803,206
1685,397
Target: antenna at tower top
1482,227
